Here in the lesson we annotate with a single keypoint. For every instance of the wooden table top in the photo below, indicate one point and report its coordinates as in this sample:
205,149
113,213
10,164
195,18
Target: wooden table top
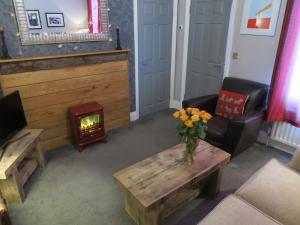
16,151
156,177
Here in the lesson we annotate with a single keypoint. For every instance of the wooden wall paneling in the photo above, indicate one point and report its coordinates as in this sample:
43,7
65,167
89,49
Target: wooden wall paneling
47,94
56,86
28,78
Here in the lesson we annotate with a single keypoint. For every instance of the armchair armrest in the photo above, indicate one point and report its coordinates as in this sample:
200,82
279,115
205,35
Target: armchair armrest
295,162
249,117
207,103
243,131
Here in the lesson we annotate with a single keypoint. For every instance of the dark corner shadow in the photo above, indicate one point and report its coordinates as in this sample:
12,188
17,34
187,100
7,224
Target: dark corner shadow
205,208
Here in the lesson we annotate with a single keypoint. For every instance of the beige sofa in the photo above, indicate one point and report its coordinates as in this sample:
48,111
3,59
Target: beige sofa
270,197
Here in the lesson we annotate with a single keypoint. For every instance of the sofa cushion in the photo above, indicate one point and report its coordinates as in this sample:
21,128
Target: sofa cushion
275,190
234,211
295,162
217,128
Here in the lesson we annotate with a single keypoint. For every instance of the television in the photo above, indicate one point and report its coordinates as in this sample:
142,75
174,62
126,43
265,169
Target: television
12,117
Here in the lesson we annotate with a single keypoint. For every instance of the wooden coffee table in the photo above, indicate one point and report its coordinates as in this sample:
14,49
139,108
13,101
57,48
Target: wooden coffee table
157,186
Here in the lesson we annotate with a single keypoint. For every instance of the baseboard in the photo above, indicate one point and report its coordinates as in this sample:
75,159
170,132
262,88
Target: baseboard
134,116
263,137
266,140
175,104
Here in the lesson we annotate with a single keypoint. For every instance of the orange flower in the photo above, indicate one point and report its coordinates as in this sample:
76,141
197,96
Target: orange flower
195,118
189,110
182,111
176,114
184,117
189,123
204,121
195,111
206,116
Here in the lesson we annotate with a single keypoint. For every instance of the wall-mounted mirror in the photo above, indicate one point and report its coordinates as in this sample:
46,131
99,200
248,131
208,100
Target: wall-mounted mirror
60,21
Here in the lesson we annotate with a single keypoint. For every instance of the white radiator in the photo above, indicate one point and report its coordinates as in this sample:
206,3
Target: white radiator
286,133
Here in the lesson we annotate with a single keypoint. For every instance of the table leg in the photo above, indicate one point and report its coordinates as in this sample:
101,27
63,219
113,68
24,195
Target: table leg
39,155
5,219
151,217
12,189
140,215
214,183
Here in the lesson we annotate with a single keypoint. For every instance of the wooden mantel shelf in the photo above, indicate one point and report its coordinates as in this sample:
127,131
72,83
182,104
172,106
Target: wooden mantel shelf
69,55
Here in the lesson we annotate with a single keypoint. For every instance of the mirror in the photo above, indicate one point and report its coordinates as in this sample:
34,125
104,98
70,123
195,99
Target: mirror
61,21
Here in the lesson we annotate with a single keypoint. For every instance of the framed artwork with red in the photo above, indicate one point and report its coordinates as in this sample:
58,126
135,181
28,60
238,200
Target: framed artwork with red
260,17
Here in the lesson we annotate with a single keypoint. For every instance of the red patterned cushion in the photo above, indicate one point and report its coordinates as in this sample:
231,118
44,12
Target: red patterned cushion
230,104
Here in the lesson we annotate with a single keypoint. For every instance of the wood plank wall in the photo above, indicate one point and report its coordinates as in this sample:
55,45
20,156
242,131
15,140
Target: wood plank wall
47,94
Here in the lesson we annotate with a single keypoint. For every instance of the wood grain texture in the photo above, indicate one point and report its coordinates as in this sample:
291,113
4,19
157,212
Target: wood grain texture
11,188
16,151
27,170
157,186
4,215
25,59
47,95
19,161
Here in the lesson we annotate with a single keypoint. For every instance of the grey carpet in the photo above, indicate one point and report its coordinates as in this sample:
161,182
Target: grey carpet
78,188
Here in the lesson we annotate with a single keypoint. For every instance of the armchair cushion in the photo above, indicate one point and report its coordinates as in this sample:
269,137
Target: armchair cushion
217,128
230,104
257,92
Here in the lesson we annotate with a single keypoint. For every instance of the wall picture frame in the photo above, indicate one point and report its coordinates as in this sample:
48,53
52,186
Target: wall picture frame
33,19
260,17
55,19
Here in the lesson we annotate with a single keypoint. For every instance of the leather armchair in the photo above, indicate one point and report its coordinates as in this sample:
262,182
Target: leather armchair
238,134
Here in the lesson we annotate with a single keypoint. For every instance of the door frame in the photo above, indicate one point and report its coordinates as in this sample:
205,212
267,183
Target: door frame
173,103
229,47
136,114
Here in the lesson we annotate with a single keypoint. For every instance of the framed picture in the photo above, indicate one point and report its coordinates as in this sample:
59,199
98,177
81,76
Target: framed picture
33,19
55,19
260,17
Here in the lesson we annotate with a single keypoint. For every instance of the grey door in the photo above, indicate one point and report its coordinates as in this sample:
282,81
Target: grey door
155,41
207,44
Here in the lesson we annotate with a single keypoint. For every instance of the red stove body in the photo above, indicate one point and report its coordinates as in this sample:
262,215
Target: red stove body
87,124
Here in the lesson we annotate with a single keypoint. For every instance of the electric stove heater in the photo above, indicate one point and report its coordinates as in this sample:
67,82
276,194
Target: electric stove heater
87,124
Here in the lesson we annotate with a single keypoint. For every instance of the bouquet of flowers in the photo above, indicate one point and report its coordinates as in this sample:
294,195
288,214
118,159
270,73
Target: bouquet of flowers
192,126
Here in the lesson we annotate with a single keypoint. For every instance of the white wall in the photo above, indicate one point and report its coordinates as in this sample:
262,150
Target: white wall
256,53
75,14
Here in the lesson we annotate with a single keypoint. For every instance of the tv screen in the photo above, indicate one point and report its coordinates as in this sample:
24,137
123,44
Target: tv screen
12,117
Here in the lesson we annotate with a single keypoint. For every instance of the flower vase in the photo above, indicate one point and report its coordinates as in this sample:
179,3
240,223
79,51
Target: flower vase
188,157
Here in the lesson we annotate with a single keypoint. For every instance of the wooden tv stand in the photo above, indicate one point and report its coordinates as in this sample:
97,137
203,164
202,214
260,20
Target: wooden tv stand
18,162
